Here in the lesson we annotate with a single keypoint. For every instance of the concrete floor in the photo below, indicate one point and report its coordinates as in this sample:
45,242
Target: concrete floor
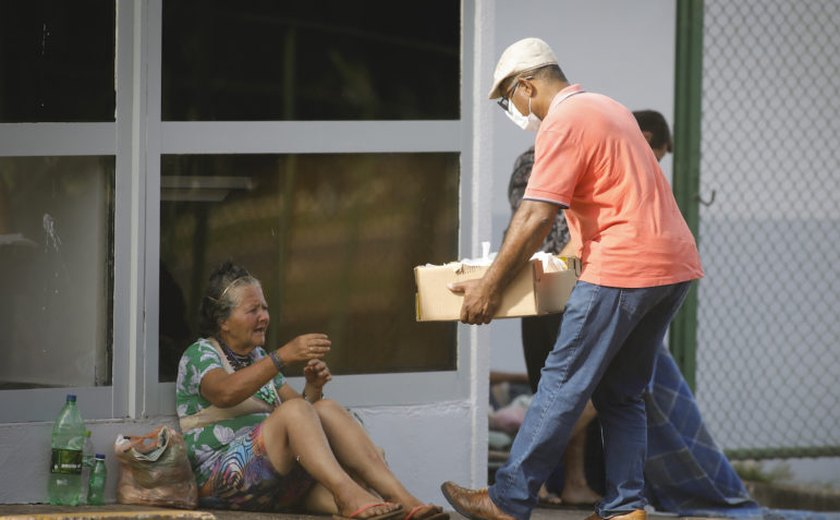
117,511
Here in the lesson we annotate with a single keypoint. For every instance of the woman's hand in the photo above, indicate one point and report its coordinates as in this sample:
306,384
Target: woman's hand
305,348
317,374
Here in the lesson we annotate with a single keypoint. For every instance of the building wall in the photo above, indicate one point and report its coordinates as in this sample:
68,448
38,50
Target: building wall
424,445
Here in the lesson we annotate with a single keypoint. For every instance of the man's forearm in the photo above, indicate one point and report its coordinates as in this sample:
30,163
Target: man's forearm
528,229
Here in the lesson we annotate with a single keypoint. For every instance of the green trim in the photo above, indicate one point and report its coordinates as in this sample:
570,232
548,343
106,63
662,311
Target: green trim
686,183
783,453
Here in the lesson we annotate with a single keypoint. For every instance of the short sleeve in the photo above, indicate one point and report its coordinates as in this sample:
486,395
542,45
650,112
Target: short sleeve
197,360
559,161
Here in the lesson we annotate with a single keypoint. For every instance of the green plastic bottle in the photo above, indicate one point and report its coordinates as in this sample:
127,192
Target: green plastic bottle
64,486
96,484
87,464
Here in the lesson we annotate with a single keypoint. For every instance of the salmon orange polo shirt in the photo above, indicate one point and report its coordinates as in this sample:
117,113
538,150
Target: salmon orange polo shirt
591,158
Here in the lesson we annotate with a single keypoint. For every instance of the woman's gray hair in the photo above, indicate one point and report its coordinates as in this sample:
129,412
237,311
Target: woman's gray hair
218,300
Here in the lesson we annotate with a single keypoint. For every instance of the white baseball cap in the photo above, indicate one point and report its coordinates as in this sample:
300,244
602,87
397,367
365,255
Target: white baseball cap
526,54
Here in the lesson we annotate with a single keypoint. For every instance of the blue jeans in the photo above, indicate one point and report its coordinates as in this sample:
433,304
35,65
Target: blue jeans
605,351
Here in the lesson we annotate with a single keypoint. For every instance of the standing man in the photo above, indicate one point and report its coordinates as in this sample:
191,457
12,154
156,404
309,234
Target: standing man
638,259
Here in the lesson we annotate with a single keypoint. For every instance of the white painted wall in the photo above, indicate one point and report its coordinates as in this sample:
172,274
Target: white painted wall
424,446
622,49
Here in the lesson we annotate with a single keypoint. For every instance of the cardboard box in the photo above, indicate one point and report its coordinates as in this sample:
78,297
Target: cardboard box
539,288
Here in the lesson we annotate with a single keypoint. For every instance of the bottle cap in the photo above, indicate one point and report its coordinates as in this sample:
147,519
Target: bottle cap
100,456
71,398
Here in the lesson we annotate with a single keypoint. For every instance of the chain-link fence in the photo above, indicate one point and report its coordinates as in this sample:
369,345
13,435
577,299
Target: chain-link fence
768,353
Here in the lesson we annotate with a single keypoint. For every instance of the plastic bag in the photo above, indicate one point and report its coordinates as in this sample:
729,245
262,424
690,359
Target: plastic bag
155,471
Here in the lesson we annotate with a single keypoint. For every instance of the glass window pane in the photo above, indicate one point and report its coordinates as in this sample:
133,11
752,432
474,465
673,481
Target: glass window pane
334,239
57,60
316,60
56,274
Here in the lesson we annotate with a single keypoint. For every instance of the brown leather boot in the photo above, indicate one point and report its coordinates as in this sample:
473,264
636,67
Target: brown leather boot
473,503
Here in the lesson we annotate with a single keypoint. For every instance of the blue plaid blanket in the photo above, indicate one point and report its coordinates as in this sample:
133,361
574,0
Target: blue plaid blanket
686,472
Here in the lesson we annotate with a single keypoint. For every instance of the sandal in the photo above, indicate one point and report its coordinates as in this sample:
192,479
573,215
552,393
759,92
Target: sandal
398,511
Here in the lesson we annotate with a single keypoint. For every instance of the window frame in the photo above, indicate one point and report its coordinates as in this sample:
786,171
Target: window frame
138,138
88,139
301,137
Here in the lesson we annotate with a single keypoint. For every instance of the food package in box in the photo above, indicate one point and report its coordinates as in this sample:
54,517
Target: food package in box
541,287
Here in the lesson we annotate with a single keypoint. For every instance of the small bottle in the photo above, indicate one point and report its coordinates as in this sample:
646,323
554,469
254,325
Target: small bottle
87,464
96,484
68,438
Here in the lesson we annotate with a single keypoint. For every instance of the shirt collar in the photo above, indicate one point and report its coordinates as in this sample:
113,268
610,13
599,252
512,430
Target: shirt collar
564,94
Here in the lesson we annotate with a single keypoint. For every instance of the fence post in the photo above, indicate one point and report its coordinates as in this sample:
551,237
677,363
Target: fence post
686,182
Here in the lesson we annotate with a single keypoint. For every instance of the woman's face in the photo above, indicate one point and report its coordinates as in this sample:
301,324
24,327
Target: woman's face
245,328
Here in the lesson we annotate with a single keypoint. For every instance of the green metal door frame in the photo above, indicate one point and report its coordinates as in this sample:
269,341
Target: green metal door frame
686,186
686,182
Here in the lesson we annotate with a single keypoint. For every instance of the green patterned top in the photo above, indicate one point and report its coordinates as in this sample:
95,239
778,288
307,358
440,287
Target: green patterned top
204,443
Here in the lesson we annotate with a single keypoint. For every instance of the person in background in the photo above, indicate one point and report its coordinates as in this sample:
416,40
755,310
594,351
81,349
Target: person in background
686,473
174,333
592,160
656,132
257,444
568,484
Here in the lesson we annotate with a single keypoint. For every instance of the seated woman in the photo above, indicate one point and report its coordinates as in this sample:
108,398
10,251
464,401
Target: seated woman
257,444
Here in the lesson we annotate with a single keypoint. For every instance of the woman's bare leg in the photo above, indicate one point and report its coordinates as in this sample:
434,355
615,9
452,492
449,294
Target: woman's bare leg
320,500
576,490
355,450
293,432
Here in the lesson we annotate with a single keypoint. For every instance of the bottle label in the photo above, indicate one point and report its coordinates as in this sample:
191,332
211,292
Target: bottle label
67,462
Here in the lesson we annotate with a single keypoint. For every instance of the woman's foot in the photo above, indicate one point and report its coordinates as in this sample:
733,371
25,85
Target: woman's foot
547,498
426,512
579,495
413,508
373,510
359,504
